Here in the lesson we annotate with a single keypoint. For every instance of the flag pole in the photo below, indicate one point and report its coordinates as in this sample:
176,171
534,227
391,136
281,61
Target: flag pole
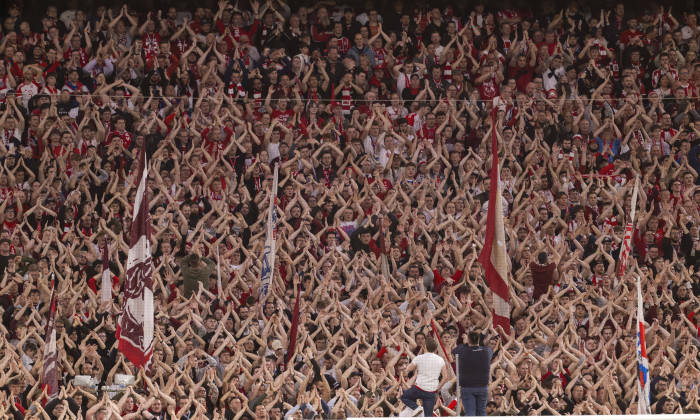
643,387
106,288
49,374
459,390
218,271
442,346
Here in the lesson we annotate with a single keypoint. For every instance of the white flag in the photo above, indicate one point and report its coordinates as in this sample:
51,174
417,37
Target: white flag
268,257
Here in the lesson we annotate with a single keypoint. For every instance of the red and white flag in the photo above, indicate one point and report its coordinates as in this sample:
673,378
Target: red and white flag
106,288
494,257
135,328
626,250
49,376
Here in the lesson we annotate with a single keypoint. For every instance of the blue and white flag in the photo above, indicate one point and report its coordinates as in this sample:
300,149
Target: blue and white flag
268,257
643,407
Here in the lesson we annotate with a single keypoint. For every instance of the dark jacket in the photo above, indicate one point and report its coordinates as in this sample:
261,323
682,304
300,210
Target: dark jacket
192,276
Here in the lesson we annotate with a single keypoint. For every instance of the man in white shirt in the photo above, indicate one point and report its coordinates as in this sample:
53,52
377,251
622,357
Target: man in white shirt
692,29
551,76
430,367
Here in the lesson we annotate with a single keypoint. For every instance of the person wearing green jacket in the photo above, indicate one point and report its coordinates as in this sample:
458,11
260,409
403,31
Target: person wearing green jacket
195,269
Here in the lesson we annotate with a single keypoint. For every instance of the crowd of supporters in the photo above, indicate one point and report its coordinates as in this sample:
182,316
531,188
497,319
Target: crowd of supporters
380,121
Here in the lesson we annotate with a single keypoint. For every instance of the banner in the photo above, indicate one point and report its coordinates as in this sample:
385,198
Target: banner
135,329
268,257
626,251
493,255
106,288
384,252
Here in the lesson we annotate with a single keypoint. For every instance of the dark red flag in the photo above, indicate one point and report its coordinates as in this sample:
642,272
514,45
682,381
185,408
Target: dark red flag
135,329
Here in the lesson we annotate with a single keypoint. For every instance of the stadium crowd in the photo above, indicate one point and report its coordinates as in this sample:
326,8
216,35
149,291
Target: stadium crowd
379,120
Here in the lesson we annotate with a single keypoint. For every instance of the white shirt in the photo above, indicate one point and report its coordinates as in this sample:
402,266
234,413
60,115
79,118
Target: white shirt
273,151
687,32
370,144
550,78
67,17
429,368
28,90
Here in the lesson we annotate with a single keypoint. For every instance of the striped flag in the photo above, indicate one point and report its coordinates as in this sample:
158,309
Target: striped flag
49,377
643,405
106,288
268,257
626,251
135,329
493,255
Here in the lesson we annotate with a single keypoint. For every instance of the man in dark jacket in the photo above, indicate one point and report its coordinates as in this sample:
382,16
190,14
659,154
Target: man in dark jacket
195,269
474,374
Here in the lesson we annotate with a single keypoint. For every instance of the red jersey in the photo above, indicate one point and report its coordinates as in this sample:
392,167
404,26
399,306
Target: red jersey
656,75
124,136
343,45
488,89
150,44
283,116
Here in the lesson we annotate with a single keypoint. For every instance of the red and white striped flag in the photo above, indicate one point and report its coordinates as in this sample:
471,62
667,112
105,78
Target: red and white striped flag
493,255
49,376
135,327
106,288
626,250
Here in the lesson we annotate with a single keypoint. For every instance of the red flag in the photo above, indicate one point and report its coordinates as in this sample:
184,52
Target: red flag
295,326
49,377
493,255
135,327
626,250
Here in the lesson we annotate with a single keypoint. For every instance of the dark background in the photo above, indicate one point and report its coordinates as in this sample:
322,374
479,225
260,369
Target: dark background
33,10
